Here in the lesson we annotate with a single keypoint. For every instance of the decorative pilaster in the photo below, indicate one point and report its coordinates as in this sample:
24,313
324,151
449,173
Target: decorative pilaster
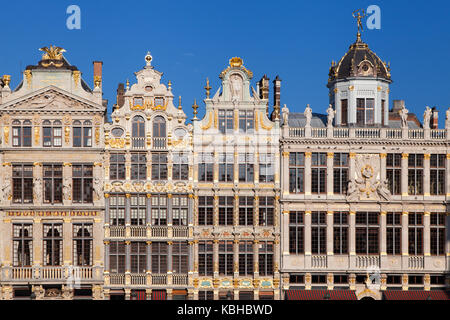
307,173
405,174
330,175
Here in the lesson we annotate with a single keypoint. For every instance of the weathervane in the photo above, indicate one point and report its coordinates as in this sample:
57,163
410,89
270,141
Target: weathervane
358,16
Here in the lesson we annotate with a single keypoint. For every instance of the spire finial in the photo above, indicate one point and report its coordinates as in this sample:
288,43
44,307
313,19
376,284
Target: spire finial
359,15
148,59
128,84
195,107
169,84
179,102
207,88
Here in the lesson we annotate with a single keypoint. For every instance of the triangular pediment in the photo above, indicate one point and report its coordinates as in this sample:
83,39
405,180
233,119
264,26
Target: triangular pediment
51,98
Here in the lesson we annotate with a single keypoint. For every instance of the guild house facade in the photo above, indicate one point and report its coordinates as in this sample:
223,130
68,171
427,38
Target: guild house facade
251,200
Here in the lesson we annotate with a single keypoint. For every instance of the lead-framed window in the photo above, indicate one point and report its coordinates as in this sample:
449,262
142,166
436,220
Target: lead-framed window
367,227
365,111
53,244
266,210
22,244
21,133
159,210
138,207
340,232
415,174
159,252
138,257
180,257
206,167
246,167
82,244
318,232
296,232
394,233
226,167
180,167
265,252
437,174
205,211
159,166
225,121
415,233
82,134
246,205
117,255
246,121
226,208
226,258
246,258
437,233
139,166
82,183
318,173
117,209
266,167
22,180
52,133
205,258
394,172
297,172
117,166
340,173
53,183
180,210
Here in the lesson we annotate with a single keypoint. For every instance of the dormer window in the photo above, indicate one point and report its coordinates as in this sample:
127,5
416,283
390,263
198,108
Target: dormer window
365,110
365,69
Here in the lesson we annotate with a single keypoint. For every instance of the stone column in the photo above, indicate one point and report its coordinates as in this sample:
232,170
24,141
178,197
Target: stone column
256,211
426,236
276,255
383,253
405,174
216,167
169,216
236,257
352,238
216,210
330,176
127,257
236,210
149,256
256,258
351,166
405,252
285,173
196,257
330,222
37,242
307,174
106,257
216,257
285,233
38,184
236,168
383,166
307,239
6,245
169,262
426,175
67,242
98,254
127,216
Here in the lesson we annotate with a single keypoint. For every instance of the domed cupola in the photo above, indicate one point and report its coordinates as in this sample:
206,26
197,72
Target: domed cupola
359,86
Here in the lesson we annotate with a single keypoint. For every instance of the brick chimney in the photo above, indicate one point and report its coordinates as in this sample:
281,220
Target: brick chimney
97,73
434,119
277,91
398,105
264,87
120,93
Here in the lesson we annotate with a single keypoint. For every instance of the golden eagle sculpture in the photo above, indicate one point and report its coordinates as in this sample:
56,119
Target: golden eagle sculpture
52,53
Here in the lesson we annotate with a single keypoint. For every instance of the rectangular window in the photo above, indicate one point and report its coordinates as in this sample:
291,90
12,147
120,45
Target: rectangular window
340,232
205,258
159,166
246,167
23,244
245,258
266,210
415,174
180,257
365,111
340,173
179,210
246,121
344,112
53,244
21,134
138,257
296,232
226,167
296,172
383,112
415,233
206,295
226,209
53,184
437,233
180,169
117,256
265,258
246,206
138,209
82,244
266,167
225,121
318,173
117,166
318,232
205,211
82,183
226,258
437,174
117,209
159,253
367,233
206,167
138,166
22,183
159,210
394,233
82,134
394,172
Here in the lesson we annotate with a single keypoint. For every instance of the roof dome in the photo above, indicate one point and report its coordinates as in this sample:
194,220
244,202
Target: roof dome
359,61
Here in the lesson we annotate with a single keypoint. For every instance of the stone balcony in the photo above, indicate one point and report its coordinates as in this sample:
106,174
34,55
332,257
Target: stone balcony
147,232
51,274
146,280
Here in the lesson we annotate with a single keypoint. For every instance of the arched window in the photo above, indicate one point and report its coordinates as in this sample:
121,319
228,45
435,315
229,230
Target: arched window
138,129
159,127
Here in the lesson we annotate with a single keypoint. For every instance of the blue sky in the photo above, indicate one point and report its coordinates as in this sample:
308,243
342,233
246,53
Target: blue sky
192,40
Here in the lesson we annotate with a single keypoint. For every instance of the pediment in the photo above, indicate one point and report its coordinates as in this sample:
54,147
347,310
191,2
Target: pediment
51,99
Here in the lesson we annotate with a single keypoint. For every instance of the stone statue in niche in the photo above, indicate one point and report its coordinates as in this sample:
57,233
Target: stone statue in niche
235,87
427,117
37,188
404,116
366,185
98,188
308,115
331,113
66,189
6,188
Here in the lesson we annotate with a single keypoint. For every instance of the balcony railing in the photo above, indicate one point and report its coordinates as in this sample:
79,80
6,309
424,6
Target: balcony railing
159,279
180,279
367,261
139,279
180,232
319,262
117,231
159,232
138,232
416,262
52,273
159,143
138,143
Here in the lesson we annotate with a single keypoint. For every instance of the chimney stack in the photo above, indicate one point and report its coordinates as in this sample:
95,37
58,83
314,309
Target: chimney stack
264,87
434,119
277,91
120,93
398,105
97,73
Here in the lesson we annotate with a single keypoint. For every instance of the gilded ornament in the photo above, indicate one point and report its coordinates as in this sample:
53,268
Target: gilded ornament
208,125
27,74
76,77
